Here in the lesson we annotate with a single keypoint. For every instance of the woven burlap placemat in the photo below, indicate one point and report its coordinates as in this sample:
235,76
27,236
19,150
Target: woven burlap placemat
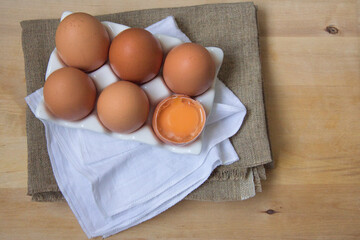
233,28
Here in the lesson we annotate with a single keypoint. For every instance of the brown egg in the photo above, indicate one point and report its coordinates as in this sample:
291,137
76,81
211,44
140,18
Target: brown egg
82,41
189,69
69,94
123,107
135,55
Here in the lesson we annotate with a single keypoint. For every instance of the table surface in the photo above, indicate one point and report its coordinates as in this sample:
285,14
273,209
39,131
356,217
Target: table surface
310,52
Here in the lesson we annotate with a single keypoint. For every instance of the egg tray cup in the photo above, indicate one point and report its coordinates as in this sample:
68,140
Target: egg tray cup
155,89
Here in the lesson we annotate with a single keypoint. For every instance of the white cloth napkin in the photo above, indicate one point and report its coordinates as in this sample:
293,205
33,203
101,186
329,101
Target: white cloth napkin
112,184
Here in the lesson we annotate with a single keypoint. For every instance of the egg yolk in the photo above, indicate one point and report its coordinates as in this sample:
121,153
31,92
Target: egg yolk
180,119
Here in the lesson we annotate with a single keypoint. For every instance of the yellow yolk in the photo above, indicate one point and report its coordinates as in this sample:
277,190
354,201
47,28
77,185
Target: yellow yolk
180,119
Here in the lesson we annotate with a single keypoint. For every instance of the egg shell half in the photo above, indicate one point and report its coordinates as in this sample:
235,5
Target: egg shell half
178,120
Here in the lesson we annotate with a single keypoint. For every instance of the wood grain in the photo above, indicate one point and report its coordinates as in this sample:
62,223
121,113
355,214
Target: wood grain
312,92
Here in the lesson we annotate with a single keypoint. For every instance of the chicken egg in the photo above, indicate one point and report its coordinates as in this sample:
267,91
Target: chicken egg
82,41
189,69
69,94
135,55
123,107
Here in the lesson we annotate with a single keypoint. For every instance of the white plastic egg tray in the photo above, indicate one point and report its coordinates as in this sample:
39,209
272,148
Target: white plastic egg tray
156,90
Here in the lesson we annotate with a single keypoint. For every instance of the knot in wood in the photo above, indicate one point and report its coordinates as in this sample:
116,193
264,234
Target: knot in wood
270,211
332,29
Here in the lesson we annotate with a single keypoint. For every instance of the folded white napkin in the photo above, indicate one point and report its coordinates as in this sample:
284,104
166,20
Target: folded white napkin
112,184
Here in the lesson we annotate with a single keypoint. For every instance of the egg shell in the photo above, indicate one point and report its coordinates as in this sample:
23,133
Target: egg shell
178,120
135,55
123,107
69,94
189,69
82,42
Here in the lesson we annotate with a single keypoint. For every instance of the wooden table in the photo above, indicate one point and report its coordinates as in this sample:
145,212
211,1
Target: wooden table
310,54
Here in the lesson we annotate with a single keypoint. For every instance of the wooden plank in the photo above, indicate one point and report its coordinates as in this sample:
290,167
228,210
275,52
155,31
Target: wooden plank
311,61
300,212
277,18
313,104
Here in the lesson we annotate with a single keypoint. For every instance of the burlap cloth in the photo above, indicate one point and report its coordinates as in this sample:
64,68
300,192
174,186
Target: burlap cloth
233,28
